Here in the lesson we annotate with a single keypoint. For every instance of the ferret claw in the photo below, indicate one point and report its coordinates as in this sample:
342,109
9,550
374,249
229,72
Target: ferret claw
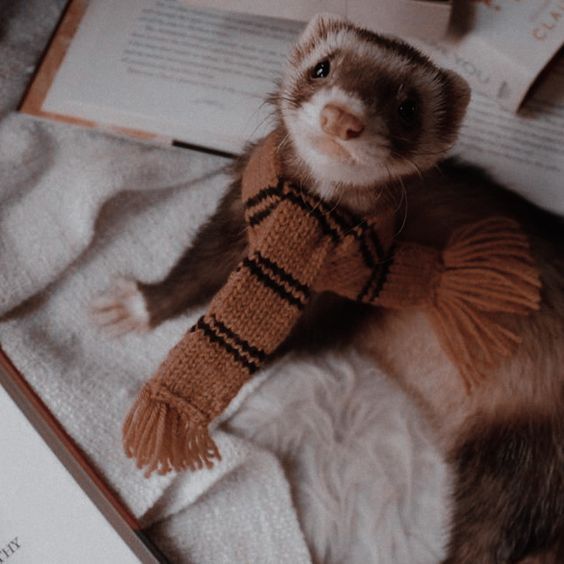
121,309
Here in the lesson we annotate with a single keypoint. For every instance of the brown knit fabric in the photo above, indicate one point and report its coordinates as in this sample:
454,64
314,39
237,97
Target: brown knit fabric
300,244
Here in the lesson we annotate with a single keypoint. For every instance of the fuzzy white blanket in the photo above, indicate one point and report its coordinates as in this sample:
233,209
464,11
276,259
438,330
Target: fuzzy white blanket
325,460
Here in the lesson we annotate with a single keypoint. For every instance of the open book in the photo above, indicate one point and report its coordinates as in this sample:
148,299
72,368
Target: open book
162,71
54,508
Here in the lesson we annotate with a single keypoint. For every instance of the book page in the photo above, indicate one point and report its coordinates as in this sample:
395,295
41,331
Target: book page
421,18
289,9
524,151
197,76
501,46
45,516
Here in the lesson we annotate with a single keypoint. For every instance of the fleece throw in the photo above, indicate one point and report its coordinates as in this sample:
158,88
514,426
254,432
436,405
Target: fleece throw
78,207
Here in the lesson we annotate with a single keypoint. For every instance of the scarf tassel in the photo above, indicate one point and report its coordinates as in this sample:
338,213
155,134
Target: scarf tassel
163,437
487,269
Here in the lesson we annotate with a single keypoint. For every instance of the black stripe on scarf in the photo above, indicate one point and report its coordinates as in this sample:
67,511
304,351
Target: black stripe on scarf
216,338
275,286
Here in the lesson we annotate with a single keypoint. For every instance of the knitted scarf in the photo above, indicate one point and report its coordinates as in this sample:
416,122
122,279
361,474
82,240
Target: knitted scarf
300,244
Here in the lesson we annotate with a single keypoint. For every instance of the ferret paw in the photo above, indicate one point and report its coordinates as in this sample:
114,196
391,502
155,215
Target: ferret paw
122,309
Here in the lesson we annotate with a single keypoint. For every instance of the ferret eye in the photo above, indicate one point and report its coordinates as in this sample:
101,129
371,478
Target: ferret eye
407,112
321,69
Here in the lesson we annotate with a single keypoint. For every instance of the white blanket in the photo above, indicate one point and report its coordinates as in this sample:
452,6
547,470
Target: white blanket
326,459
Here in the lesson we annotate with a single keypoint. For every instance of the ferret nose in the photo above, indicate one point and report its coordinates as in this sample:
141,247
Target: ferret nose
338,122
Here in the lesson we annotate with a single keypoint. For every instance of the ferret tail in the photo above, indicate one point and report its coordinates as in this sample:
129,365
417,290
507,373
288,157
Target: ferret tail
509,493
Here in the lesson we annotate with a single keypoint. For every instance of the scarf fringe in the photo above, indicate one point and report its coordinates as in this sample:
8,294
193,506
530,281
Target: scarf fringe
162,438
487,268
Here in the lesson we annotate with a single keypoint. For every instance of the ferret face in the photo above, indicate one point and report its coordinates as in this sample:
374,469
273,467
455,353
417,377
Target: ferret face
362,109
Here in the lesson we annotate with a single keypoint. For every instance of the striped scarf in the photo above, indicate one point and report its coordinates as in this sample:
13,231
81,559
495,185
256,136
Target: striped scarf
298,245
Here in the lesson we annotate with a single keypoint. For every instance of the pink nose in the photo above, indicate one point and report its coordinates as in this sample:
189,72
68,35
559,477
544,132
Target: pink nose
338,122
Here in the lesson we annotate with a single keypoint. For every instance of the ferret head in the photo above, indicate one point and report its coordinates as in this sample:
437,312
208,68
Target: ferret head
362,110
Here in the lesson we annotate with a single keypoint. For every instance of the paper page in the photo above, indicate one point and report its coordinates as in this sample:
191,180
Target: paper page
44,515
289,9
197,76
524,151
501,46
421,18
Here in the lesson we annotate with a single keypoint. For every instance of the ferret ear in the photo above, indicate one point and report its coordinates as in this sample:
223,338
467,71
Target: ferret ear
318,28
320,24
459,95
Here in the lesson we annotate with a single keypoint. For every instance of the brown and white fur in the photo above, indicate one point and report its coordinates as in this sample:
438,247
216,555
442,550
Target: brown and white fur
377,125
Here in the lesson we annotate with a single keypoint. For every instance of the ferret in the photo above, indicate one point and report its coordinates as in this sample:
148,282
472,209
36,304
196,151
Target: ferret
363,117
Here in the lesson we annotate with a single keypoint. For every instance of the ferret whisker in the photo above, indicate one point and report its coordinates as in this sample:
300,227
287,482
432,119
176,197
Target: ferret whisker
438,168
421,148
403,202
438,152
337,202
421,173
262,122
283,141
390,177
430,153
413,165
403,194
397,180
404,219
